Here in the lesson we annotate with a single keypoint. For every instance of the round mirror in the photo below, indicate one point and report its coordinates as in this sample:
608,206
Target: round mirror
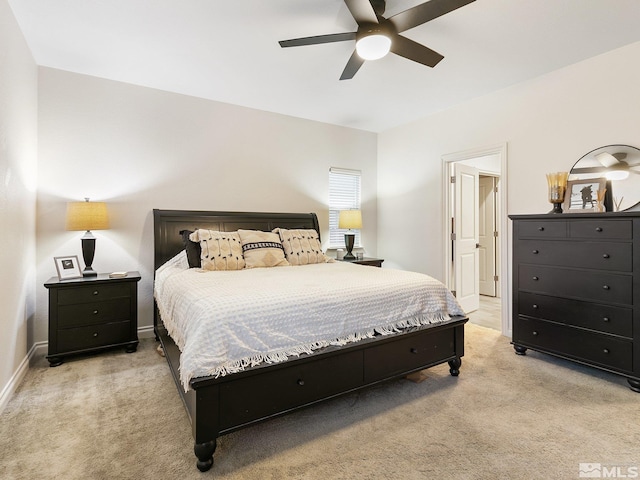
618,166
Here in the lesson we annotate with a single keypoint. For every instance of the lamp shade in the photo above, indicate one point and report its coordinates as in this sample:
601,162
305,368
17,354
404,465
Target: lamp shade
87,216
350,219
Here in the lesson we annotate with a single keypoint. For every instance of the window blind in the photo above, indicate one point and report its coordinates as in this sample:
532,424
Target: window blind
344,194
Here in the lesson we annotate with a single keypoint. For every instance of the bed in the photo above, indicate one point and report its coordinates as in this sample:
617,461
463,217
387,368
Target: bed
228,399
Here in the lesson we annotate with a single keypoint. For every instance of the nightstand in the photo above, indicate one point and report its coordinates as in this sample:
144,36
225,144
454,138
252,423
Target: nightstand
374,262
92,313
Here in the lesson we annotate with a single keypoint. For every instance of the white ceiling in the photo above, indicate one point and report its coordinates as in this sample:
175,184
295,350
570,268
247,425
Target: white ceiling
228,51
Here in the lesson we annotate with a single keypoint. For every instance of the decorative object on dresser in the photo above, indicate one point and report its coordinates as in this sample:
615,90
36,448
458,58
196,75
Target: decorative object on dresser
239,397
576,282
87,216
67,267
374,262
91,314
557,183
583,195
619,167
351,220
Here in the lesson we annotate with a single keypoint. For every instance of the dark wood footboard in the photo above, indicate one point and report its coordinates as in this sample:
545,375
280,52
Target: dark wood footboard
222,405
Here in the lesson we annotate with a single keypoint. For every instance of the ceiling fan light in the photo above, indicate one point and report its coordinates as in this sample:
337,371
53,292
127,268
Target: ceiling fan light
617,174
373,47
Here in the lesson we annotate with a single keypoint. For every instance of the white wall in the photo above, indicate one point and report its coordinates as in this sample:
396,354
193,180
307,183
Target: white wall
138,149
18,148
548,124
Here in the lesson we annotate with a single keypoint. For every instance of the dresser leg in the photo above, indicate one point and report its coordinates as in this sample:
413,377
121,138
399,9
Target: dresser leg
634,384
54,361
204,452
131,348
454,366
520,350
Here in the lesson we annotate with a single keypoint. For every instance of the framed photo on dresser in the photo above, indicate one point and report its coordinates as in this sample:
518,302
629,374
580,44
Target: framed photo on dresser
67,267
582,195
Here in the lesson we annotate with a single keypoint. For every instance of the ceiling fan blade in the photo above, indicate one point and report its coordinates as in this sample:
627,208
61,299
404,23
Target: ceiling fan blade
589,170
353,65
333,37
414,51
606,159
362,11
425,12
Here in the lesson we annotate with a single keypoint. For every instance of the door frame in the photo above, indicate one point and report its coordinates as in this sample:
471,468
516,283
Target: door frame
501,151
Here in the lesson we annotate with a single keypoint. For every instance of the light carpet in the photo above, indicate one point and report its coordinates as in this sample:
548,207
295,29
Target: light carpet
118,416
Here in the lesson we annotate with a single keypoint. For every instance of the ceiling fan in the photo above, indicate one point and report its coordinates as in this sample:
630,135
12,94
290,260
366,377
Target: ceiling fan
377,35
613,164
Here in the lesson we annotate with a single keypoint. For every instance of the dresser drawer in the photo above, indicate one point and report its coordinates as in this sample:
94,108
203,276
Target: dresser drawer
391,358
602,229
590,285
542,229
68,296
597,255
288,387
601,349
594,316
82,338
93,313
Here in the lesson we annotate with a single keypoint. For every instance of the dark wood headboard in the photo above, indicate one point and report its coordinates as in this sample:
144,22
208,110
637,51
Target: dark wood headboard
167,225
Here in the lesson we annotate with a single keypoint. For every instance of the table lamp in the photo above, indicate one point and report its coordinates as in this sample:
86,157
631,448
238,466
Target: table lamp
349,219
87,216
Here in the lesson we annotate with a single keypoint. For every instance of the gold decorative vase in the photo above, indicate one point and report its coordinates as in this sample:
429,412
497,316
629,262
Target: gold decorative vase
557,183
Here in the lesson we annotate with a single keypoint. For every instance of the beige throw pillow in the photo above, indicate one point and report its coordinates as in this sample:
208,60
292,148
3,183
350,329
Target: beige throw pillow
220,250
262,249
302,247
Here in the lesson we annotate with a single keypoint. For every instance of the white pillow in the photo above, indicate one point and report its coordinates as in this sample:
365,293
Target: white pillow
302,247
220,250
262,249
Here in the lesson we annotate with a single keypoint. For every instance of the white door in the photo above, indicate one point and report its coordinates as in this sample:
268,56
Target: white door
486,236
465,244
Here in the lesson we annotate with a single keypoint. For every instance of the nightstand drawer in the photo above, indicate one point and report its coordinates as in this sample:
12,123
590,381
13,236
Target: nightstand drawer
68,296
605,350
93,336
92,313
411,353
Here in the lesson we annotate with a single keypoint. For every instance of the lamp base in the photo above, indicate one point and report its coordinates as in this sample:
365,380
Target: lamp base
349,240
88,252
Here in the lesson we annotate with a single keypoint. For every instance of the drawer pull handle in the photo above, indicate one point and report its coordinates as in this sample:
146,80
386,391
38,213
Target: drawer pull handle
95,292
605,350
413,350
598,229
535,333
606,255
541,229
95,334
300,382
535,252
535,279
605,319
535,306
606,287
95,312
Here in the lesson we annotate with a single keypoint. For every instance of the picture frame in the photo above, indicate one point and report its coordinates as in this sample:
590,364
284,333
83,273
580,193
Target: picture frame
67,267
582,195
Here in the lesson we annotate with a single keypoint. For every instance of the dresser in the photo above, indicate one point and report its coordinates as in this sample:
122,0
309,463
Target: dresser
92,313
372,262
576,289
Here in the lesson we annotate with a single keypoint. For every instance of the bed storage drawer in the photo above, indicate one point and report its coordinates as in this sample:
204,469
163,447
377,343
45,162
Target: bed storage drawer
392,358
259,396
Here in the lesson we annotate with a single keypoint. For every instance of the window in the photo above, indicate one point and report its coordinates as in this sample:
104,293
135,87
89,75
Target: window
344,194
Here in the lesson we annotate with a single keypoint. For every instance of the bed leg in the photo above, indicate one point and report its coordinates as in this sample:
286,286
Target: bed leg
204,452
454,366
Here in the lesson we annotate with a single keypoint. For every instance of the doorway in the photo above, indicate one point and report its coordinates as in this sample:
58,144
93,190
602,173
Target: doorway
480,286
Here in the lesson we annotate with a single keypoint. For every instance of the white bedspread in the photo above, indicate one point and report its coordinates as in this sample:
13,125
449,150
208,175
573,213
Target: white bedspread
225,321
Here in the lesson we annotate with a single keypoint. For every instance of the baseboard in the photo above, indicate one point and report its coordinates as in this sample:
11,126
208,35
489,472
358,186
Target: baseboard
18,376
37,349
